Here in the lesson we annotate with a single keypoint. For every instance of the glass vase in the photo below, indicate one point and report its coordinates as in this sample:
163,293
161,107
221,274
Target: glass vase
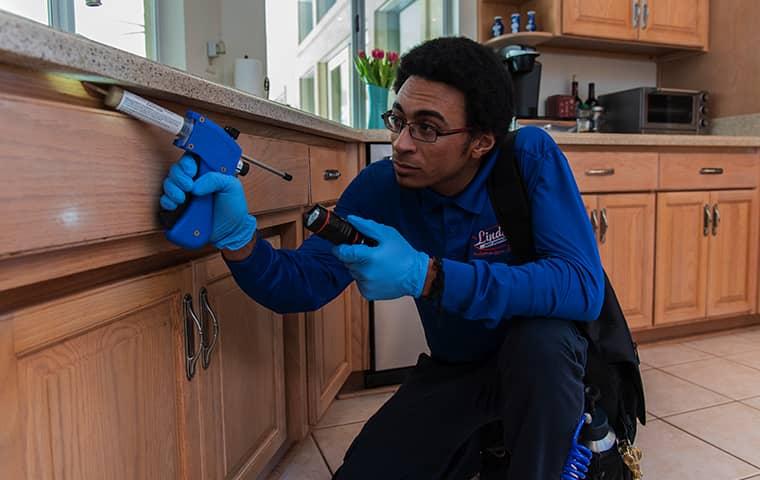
378,104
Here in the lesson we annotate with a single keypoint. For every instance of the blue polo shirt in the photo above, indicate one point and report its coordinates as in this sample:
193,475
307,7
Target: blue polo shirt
482,290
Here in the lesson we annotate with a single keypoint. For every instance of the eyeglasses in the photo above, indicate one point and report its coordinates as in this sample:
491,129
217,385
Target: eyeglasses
424,132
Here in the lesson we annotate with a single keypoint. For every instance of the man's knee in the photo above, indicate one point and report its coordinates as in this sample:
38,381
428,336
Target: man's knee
543,346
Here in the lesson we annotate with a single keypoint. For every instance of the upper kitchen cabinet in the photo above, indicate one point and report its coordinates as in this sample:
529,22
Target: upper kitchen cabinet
651,27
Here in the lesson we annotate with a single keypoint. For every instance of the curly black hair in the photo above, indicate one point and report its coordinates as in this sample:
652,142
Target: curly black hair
471,68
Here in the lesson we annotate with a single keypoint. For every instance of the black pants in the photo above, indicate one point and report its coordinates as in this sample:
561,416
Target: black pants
534,385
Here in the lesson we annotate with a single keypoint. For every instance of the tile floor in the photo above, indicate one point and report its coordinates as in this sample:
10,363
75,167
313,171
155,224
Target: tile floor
703,405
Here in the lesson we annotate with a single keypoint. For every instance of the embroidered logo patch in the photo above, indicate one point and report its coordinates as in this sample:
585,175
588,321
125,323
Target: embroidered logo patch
490,241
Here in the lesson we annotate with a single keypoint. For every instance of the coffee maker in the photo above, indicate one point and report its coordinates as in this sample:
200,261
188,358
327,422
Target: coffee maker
520,61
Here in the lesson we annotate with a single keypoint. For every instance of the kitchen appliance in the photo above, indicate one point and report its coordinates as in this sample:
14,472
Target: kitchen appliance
655,110
396,336
525,71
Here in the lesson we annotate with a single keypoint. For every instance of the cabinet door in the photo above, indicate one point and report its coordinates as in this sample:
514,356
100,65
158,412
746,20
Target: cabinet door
101,384
243,394
599,18
681,257
732,271
328,351
626,245
675,22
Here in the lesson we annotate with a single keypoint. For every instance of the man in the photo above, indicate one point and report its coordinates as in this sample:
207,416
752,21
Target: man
502,339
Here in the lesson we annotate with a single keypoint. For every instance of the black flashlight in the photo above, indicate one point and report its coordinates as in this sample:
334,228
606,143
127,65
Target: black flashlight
330,226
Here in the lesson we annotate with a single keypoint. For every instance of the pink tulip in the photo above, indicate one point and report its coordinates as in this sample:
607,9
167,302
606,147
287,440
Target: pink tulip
392,57
362,54
378,54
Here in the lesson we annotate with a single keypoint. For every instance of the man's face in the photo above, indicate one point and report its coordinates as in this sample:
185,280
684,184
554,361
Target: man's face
447,165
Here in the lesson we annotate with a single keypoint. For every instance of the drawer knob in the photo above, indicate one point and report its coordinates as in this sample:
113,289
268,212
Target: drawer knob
332,174
600,172
711,171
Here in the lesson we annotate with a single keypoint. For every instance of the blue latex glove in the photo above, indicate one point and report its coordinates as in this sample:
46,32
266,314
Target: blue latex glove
233,226
390,270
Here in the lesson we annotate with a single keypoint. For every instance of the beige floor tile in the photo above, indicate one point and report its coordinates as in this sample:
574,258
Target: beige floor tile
352,410
334,441
722,376
751,359
753,402
670,454
734,428
668,395
302,462
668,354
728,344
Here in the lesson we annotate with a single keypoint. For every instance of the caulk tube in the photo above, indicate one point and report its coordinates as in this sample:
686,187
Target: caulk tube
145,110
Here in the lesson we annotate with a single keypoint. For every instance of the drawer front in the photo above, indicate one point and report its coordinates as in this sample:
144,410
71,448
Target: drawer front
265,191
711,170
332,169
613,171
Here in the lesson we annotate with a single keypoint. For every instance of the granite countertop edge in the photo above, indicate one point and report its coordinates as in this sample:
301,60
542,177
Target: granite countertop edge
29,44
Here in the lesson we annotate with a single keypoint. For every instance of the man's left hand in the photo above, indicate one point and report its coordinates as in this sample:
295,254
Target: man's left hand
390,270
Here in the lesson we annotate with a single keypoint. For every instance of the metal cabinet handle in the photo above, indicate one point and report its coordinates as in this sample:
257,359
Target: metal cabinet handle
332,174
192,322
600,172
208,348
645,15
711,171
716,220
594,220
636,14
604,227
706,220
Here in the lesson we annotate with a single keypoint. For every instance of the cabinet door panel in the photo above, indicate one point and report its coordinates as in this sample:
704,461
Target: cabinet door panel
599,18
681,257
109,402
328,349
675,22
244,391
628,252
732,269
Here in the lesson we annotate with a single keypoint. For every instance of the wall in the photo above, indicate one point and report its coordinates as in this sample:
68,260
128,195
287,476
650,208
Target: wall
244,32
609,73
729,71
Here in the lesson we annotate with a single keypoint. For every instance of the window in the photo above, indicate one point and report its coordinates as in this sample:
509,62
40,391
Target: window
36,10
337,88
399,25
123,24
307,92
310,12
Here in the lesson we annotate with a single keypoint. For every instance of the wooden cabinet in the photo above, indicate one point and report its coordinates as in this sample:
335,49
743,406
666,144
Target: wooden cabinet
241,375
672,22
624,225
675,22
705,268
94,384
600,18
328,352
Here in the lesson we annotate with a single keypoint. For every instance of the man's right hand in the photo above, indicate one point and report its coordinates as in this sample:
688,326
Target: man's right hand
233,226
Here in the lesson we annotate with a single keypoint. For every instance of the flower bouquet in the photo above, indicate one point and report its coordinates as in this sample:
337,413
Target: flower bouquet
378,72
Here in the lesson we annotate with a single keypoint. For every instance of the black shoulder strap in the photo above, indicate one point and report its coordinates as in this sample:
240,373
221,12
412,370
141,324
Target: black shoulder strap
509,199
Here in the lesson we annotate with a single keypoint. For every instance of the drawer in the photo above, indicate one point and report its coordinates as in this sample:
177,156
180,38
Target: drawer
613,171
332,169
708,170
265,191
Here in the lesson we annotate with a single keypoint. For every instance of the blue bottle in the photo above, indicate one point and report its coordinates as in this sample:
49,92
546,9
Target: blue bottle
515,22
497,29
531,25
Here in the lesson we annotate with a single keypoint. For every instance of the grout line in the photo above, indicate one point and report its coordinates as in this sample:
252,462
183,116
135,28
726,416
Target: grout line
712,445
321,453
314,427
722,404
698,385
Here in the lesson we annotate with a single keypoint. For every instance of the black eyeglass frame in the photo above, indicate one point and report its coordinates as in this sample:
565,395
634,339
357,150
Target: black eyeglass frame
404,123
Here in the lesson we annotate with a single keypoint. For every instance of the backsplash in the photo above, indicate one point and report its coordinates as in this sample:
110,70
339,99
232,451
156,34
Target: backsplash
610,74
739,125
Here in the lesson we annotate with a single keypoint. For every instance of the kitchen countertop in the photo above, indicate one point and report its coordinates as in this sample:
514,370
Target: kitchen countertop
30,44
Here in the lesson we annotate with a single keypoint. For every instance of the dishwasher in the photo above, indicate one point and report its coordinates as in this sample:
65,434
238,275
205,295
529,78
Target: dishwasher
396,337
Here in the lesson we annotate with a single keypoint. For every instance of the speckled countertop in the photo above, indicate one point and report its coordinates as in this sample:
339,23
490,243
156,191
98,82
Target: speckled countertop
27,43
